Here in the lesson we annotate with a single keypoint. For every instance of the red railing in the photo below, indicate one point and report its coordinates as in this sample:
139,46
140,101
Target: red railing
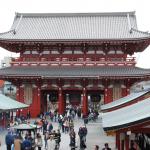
129,61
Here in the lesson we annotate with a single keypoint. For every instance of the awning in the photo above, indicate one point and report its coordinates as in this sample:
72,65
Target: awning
25,127
7,103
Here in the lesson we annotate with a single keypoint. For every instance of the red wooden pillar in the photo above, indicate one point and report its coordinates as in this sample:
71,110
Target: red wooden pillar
84,103
106,96
128,86
21,94
20,97
35,107
122,144
118,141
60,102
17,93
124,92
39,101
109,95
128,91
126,142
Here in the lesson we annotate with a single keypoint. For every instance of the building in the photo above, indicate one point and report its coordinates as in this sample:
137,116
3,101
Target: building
130,99
8,88
73,58
8,109
131,118
130,122
6,62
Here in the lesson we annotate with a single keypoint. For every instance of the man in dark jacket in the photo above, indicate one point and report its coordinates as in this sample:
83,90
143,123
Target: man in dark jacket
44,126
81,134
84,133
72,139
9,140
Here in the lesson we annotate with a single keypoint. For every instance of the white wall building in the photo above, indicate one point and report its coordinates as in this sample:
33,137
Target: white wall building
6,62
8,89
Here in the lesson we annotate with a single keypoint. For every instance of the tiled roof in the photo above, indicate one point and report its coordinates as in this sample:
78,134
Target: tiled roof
7,103
123,100
74,26
124,117
62,71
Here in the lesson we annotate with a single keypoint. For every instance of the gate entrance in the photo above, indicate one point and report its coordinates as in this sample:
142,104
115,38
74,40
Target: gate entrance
72,98
95,98
49,100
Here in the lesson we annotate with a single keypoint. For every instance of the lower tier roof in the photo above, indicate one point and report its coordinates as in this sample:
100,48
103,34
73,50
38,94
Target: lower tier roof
75,72
127,116
7,103
123,100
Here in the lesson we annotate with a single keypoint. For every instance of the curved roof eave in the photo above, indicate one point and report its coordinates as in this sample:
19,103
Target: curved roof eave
75,40
127,125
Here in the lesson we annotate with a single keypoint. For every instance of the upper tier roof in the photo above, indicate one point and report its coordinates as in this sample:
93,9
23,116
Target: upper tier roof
74,26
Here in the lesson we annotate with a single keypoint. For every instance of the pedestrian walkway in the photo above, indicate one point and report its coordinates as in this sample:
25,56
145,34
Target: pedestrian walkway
96,136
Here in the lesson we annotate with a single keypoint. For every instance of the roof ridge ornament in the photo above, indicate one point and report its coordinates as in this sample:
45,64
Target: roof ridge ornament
144,32
129,23
14,31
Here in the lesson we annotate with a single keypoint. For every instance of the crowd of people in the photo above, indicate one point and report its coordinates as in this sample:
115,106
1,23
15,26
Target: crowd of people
49,138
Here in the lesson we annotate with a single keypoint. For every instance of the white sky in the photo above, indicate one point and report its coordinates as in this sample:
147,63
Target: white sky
142,8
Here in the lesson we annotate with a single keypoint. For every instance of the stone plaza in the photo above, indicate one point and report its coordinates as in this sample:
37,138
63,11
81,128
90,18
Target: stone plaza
95,136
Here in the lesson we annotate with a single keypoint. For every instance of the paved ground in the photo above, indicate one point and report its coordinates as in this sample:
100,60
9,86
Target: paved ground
95,135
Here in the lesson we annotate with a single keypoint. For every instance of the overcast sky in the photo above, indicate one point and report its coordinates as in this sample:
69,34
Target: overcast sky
142,8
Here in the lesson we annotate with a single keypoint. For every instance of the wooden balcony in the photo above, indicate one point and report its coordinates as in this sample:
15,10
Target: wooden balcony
129,61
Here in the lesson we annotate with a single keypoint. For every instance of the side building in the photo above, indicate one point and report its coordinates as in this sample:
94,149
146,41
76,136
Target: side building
75,58
8,88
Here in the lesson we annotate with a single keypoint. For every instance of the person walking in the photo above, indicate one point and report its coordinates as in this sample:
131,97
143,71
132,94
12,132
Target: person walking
82,139
9,140
85,121
39,141
106,147
72,139
45,123
57,138
26,145
85,131
71,125
49,127
17,143
46,137
66,126
28,114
